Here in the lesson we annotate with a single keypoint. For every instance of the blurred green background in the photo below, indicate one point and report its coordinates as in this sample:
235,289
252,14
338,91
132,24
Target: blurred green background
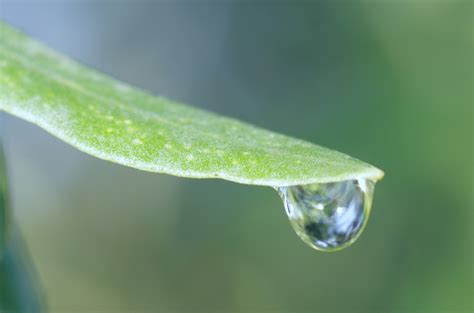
389,82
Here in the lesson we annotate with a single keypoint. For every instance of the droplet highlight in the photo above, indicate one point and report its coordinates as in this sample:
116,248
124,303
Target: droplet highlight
330,216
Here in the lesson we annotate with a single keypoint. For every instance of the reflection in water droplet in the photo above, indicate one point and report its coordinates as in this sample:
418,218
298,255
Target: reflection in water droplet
330,216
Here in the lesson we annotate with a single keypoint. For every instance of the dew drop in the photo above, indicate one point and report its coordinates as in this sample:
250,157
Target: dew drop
331,216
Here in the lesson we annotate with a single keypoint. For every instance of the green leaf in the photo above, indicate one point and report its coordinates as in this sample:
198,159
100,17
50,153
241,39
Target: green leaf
20,289
113,121
4,227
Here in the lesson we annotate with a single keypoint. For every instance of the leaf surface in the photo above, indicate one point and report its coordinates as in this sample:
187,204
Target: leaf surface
119,123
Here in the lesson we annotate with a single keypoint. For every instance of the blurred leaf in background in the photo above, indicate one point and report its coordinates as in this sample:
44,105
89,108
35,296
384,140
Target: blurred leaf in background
19,291
19,285
388,82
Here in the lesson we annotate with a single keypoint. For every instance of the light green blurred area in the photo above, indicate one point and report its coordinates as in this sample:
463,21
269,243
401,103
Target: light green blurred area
388,82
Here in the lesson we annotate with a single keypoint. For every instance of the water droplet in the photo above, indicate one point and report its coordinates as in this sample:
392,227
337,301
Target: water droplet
331,216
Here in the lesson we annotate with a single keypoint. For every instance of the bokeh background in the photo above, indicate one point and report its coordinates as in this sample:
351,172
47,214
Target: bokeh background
389,82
